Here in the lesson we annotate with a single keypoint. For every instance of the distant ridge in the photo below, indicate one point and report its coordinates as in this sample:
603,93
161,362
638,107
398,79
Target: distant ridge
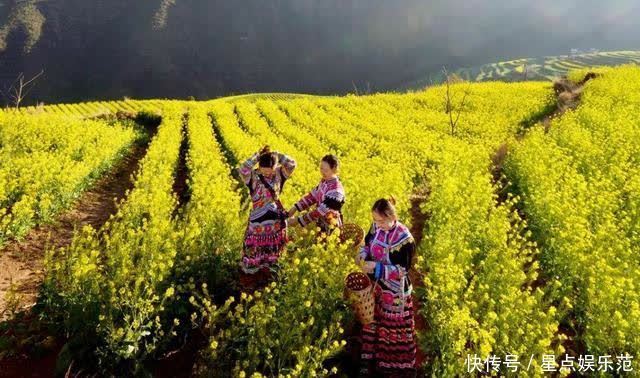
543,68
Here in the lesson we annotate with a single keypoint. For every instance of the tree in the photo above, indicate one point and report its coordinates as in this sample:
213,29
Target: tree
19,89
449,99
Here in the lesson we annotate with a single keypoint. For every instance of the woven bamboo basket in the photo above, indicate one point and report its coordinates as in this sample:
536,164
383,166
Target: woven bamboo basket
351,233
360,293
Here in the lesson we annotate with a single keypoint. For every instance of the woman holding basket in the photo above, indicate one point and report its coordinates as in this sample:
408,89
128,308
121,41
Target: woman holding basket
388,343
326,199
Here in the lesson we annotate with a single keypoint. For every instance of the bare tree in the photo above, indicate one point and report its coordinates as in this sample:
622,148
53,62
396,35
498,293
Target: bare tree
366,91
355,88
449,100
19,89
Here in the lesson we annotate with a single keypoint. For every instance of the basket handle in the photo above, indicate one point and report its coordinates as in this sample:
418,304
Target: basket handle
374,284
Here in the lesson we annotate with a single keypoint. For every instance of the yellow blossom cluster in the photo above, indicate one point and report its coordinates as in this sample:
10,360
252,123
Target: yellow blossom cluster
581,189
48,161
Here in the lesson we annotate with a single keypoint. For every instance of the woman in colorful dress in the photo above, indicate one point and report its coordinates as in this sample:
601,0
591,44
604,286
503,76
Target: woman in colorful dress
388,344
266,233
327,198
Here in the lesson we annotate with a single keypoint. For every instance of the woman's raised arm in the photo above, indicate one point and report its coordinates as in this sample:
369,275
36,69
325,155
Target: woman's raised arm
246,168
287,164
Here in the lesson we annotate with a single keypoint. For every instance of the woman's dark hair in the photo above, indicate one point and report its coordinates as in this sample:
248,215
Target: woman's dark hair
385,207
332,160
267,160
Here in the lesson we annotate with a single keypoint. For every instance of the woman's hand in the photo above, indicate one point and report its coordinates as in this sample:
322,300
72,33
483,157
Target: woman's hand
369,266
291,221
292,211
359,260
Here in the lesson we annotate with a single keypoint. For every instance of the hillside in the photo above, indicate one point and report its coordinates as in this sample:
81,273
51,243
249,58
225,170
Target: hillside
109,49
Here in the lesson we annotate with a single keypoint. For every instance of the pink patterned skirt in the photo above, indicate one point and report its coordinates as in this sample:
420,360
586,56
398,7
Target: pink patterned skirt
263,242
389,343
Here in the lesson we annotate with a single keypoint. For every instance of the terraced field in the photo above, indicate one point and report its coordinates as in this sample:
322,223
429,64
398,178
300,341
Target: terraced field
543,68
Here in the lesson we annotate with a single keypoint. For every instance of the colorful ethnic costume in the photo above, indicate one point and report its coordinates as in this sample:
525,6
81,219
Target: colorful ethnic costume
328,197
388,344
266,233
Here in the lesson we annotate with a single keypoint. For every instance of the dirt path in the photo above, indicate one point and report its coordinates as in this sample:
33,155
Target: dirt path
22,262
419,220
180,186
568,95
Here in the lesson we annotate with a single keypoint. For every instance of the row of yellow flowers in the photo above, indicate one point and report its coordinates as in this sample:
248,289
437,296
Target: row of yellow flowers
580,188
48,161
480,264
95,108
213,219
109,287
367,172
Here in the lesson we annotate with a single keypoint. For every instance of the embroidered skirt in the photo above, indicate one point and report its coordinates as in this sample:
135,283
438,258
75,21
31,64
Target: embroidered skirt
389,343
263,241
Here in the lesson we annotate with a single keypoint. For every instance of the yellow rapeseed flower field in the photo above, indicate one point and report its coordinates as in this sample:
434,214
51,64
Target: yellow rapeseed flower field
534,256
